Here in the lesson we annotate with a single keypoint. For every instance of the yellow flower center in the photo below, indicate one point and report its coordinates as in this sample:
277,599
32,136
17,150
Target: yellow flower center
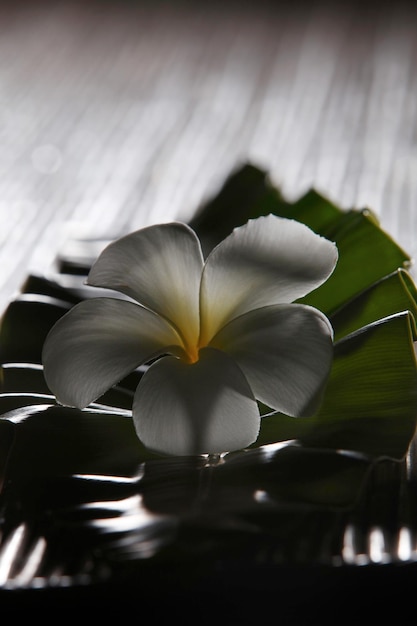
192,354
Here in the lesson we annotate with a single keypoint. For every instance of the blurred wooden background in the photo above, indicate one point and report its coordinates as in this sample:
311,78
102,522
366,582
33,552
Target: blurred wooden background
114,115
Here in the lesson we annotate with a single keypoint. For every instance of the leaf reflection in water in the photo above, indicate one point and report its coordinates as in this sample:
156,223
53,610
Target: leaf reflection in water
137,532
88,524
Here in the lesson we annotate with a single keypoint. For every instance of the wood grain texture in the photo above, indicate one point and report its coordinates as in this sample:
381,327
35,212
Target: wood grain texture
116,115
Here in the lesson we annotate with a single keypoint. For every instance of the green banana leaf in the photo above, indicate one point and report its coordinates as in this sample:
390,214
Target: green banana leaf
392,294
105,508
370,404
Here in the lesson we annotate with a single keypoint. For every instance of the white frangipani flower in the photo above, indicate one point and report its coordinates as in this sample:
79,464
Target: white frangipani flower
220,334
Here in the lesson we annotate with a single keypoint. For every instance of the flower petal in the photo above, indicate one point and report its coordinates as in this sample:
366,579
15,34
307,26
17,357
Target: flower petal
204,407
97,343
270,260
285,352
160,267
